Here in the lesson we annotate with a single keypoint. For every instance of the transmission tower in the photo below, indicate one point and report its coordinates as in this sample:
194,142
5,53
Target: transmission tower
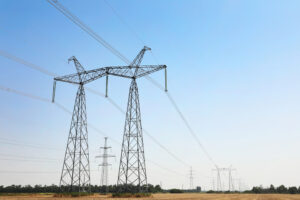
75,175
218,177
132,168
104,164
191,177
230,179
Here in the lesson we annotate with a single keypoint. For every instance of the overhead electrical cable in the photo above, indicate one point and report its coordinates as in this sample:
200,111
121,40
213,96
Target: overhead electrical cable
171,99
26,63
41,69
65,110
87,29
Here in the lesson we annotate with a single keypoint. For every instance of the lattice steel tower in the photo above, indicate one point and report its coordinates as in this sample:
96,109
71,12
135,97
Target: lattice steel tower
104,165
75,175
191,177
132,168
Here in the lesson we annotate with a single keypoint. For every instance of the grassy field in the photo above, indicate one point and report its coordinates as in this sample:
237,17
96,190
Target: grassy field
185,196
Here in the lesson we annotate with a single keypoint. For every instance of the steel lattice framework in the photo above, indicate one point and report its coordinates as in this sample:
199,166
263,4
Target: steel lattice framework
132,169
75,175
104,164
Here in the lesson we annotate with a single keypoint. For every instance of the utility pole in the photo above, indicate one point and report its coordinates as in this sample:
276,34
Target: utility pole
104,164
191,176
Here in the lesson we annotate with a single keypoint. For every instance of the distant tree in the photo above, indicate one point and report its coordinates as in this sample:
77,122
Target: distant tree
282,189
272,189
257,190
293,190
175,191
157,188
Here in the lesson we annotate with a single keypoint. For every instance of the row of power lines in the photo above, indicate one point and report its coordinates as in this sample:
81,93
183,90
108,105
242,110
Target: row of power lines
133,71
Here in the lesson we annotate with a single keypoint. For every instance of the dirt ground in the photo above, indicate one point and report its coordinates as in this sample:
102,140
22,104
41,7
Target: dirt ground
169,197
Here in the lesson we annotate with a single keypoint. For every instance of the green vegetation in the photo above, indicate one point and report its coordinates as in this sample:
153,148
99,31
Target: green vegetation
279,190
269,190
131,195
175,191
93,189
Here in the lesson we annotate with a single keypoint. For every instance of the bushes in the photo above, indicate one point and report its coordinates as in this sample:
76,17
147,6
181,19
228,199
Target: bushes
131,195
93,188
279,190
175,191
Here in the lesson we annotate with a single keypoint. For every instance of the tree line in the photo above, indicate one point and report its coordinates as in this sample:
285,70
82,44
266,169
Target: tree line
280,190
93,189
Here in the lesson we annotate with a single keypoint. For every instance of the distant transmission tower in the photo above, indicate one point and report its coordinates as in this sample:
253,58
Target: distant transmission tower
75,175
191,176
218,177
104,164
230,179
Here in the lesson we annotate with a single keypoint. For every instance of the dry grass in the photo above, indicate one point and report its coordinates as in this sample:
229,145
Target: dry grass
184,196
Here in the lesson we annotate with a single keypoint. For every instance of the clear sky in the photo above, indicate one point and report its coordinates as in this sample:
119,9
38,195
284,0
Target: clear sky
233,69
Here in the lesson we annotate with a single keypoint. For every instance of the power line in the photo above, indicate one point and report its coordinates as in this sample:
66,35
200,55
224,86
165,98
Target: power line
28,145
26,157
24,94
164,148
190,129
27,172
26,160
124,22
42,70
87,29
30,172
145,131
91,126
69,112
26,63
166,169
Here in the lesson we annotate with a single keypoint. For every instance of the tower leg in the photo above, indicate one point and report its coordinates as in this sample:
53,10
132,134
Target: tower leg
132,168
75,175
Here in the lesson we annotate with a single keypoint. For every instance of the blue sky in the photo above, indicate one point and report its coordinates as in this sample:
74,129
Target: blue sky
232,68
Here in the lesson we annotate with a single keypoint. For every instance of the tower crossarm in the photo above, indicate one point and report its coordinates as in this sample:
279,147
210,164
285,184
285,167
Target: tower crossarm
83,77
105,156
122,71
144,70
